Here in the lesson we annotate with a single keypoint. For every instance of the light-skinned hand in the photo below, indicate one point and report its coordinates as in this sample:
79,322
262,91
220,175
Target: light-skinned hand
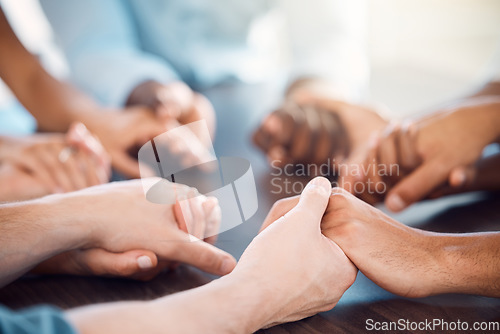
42,164
123,220
301,271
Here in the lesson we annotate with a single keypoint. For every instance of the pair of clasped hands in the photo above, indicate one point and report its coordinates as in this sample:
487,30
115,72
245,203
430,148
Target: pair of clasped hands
399,162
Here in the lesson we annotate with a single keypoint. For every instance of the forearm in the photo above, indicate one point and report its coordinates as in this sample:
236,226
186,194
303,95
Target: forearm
31,232
54,104
470,263
226,305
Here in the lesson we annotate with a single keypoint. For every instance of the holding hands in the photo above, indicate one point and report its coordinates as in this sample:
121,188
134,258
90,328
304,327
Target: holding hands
51,163
403,260
135,224
114,230
310,128
302,270
434,155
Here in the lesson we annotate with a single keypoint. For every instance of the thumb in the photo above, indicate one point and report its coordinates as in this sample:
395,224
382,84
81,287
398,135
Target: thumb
416,186
313,200
204,256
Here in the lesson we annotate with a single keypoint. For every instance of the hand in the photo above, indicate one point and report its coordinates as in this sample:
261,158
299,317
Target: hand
483,175
123,133
122,219
136,264
299,270
330,129
431,151
18,184
403,260
174,101
53,162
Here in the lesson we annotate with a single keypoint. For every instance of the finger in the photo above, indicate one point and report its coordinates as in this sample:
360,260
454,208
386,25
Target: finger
417,185
365,190
460,179
204,256
409,158
79,137
125,164
273,128
302,138
102,262
186,220
38,170
353,171
94,174
75,172
49,157
313,201
199,220
279,209
387,151
179,216
349,171
213,216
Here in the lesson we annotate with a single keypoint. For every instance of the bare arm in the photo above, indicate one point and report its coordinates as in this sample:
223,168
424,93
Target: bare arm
227,305
111,217
32,232
404,260
54,104
470,263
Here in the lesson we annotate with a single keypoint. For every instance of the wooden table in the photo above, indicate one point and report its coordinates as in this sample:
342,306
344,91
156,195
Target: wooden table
239,108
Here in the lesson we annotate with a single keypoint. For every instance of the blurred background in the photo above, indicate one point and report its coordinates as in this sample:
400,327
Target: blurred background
421,52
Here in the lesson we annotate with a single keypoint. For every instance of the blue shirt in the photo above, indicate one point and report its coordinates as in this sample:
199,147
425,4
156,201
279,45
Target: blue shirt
34,320
113,45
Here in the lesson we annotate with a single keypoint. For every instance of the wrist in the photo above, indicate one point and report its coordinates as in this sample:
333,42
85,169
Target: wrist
250,299
63,221
231,304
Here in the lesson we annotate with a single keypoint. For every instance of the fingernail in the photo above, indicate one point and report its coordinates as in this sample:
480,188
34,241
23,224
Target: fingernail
144,262
226,266
395,203
322,184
